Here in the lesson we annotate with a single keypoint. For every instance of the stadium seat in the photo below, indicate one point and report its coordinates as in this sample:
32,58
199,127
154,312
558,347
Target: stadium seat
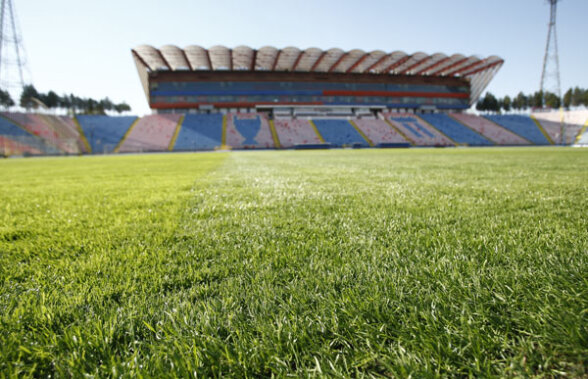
490,130
248,130
151,133
15,136
573,122
57,131
200,132
417,130
379,132
339,133
295,133
524,126
103,133
9,147
454,130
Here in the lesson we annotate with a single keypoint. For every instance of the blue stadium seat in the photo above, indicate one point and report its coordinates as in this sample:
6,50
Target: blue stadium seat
454,130
248,129
200,132
104,132
524,126
407,121
339,133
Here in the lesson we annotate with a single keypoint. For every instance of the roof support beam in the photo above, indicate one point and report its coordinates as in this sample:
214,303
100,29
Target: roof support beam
416,64
357,63
230,59
297,60
186,59
382,59
399,62
163,59
318,61
487,67
465,68
208,60
434,65
276,60
334,66
253,59
136,55
461,61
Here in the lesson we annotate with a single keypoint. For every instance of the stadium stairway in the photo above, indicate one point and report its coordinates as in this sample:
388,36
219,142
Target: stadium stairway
417,130
455,130
582,138
151,133
248,130
339,133
547,137
522,126
67,132
492,131
274,134
104,133
199,132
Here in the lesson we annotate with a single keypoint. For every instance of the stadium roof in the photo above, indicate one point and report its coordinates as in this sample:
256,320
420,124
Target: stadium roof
479,71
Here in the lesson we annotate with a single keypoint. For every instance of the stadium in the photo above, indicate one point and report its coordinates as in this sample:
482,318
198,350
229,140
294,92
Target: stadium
290,211
242,98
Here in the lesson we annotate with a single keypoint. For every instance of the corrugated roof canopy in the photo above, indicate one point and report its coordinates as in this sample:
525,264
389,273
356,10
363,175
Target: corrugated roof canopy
479,71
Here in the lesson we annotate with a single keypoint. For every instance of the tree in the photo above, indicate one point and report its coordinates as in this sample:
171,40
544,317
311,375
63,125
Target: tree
567,99
537,99
51,99
491,102
552,100
577,96
26,97
522,100
506,103
122,107
5,99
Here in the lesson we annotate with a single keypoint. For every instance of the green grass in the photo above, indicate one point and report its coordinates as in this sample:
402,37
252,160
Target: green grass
422,262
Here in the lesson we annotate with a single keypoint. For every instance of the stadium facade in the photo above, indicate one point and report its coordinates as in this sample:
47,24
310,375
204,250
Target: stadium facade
195,79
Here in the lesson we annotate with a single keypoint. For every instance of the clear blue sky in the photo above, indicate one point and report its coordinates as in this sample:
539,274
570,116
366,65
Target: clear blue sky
83,47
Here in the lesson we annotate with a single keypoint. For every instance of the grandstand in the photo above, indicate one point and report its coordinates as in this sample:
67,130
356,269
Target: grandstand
243,98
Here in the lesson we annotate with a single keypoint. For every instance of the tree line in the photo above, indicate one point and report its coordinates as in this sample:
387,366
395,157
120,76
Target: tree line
573,97
30,98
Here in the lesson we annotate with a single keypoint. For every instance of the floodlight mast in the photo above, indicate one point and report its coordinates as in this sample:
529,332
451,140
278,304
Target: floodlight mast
551,58
10,38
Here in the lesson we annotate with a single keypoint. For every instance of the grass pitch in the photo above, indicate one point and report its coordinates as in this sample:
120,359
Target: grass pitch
453,262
